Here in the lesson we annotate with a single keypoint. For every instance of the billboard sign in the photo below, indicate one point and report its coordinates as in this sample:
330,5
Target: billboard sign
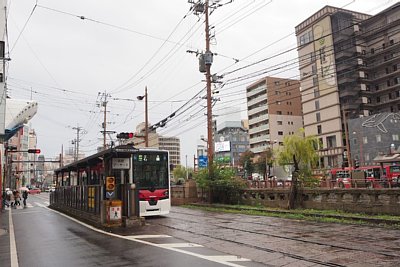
222,146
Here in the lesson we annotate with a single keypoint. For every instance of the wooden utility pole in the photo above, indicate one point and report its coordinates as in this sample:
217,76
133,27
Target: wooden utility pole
346,133
210,148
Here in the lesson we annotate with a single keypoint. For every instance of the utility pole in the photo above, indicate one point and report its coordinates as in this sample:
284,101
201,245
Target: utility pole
146,120
104,105
208,55
146,117
78,129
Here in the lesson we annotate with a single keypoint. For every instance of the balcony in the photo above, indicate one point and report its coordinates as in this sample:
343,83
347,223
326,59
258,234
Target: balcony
256,110
257,91
259,129
257,100
349,92
261,118
258,150
259,139
346,53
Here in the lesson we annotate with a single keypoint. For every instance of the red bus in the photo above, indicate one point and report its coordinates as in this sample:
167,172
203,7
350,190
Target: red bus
372,176
392,174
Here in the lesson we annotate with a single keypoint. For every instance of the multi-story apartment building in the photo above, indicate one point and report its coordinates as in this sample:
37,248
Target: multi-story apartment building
231,140
173,145
348,67
273,110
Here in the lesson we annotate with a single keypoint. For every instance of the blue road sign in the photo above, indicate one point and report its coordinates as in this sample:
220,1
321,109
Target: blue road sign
203,161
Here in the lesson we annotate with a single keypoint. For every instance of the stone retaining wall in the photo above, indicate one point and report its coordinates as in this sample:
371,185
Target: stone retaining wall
371,201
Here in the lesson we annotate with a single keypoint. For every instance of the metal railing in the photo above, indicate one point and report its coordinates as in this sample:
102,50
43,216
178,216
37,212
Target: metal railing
85,198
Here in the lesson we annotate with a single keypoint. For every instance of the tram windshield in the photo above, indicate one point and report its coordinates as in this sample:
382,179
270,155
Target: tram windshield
151,169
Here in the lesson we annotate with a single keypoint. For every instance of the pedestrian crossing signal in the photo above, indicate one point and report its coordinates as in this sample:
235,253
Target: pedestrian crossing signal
34,150
110,183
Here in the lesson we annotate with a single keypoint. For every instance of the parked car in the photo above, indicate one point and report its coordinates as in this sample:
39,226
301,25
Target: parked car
34,191
52,189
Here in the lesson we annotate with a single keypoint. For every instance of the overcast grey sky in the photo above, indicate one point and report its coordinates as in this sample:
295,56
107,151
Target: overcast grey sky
64,62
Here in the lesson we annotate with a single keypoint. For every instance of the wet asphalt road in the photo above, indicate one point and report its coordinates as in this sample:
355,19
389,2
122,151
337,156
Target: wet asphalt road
188,237
44,237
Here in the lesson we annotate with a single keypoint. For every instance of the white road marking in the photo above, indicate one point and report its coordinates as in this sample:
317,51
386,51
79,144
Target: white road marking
226,258
148,236
29,205
220,260
181,245
13,247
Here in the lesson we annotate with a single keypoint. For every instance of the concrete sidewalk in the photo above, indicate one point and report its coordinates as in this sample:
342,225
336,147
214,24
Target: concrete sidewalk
5,259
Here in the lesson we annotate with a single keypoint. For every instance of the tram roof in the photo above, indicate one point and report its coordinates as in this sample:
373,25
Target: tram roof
99,157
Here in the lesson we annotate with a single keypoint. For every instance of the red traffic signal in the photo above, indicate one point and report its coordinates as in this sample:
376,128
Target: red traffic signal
34,150
125,135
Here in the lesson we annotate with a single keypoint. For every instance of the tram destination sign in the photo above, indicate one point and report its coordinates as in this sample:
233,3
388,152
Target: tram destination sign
120,163
127,149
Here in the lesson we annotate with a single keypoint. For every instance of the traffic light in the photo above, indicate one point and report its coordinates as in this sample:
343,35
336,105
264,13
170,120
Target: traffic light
125,135
110,183
34,150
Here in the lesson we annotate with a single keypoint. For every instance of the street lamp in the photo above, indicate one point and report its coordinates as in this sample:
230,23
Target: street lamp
146,120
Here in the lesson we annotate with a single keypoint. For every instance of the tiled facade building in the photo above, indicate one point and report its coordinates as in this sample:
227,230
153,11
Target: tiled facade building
349,69
273,110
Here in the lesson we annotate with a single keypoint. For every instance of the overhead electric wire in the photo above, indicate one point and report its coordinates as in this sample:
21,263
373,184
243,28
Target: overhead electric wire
23,28
152,57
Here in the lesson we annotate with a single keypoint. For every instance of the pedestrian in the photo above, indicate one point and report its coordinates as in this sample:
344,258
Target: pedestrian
25,196
17,199
12,199
8,197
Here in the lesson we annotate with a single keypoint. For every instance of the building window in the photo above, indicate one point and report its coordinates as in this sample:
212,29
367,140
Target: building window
316,92
279,122
318,115
276,82
378,138
279,112
280,132
277,93
331,141
395,137
278,102
372,51
317,104
315,81
312,56
378,99
319,129
314,69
